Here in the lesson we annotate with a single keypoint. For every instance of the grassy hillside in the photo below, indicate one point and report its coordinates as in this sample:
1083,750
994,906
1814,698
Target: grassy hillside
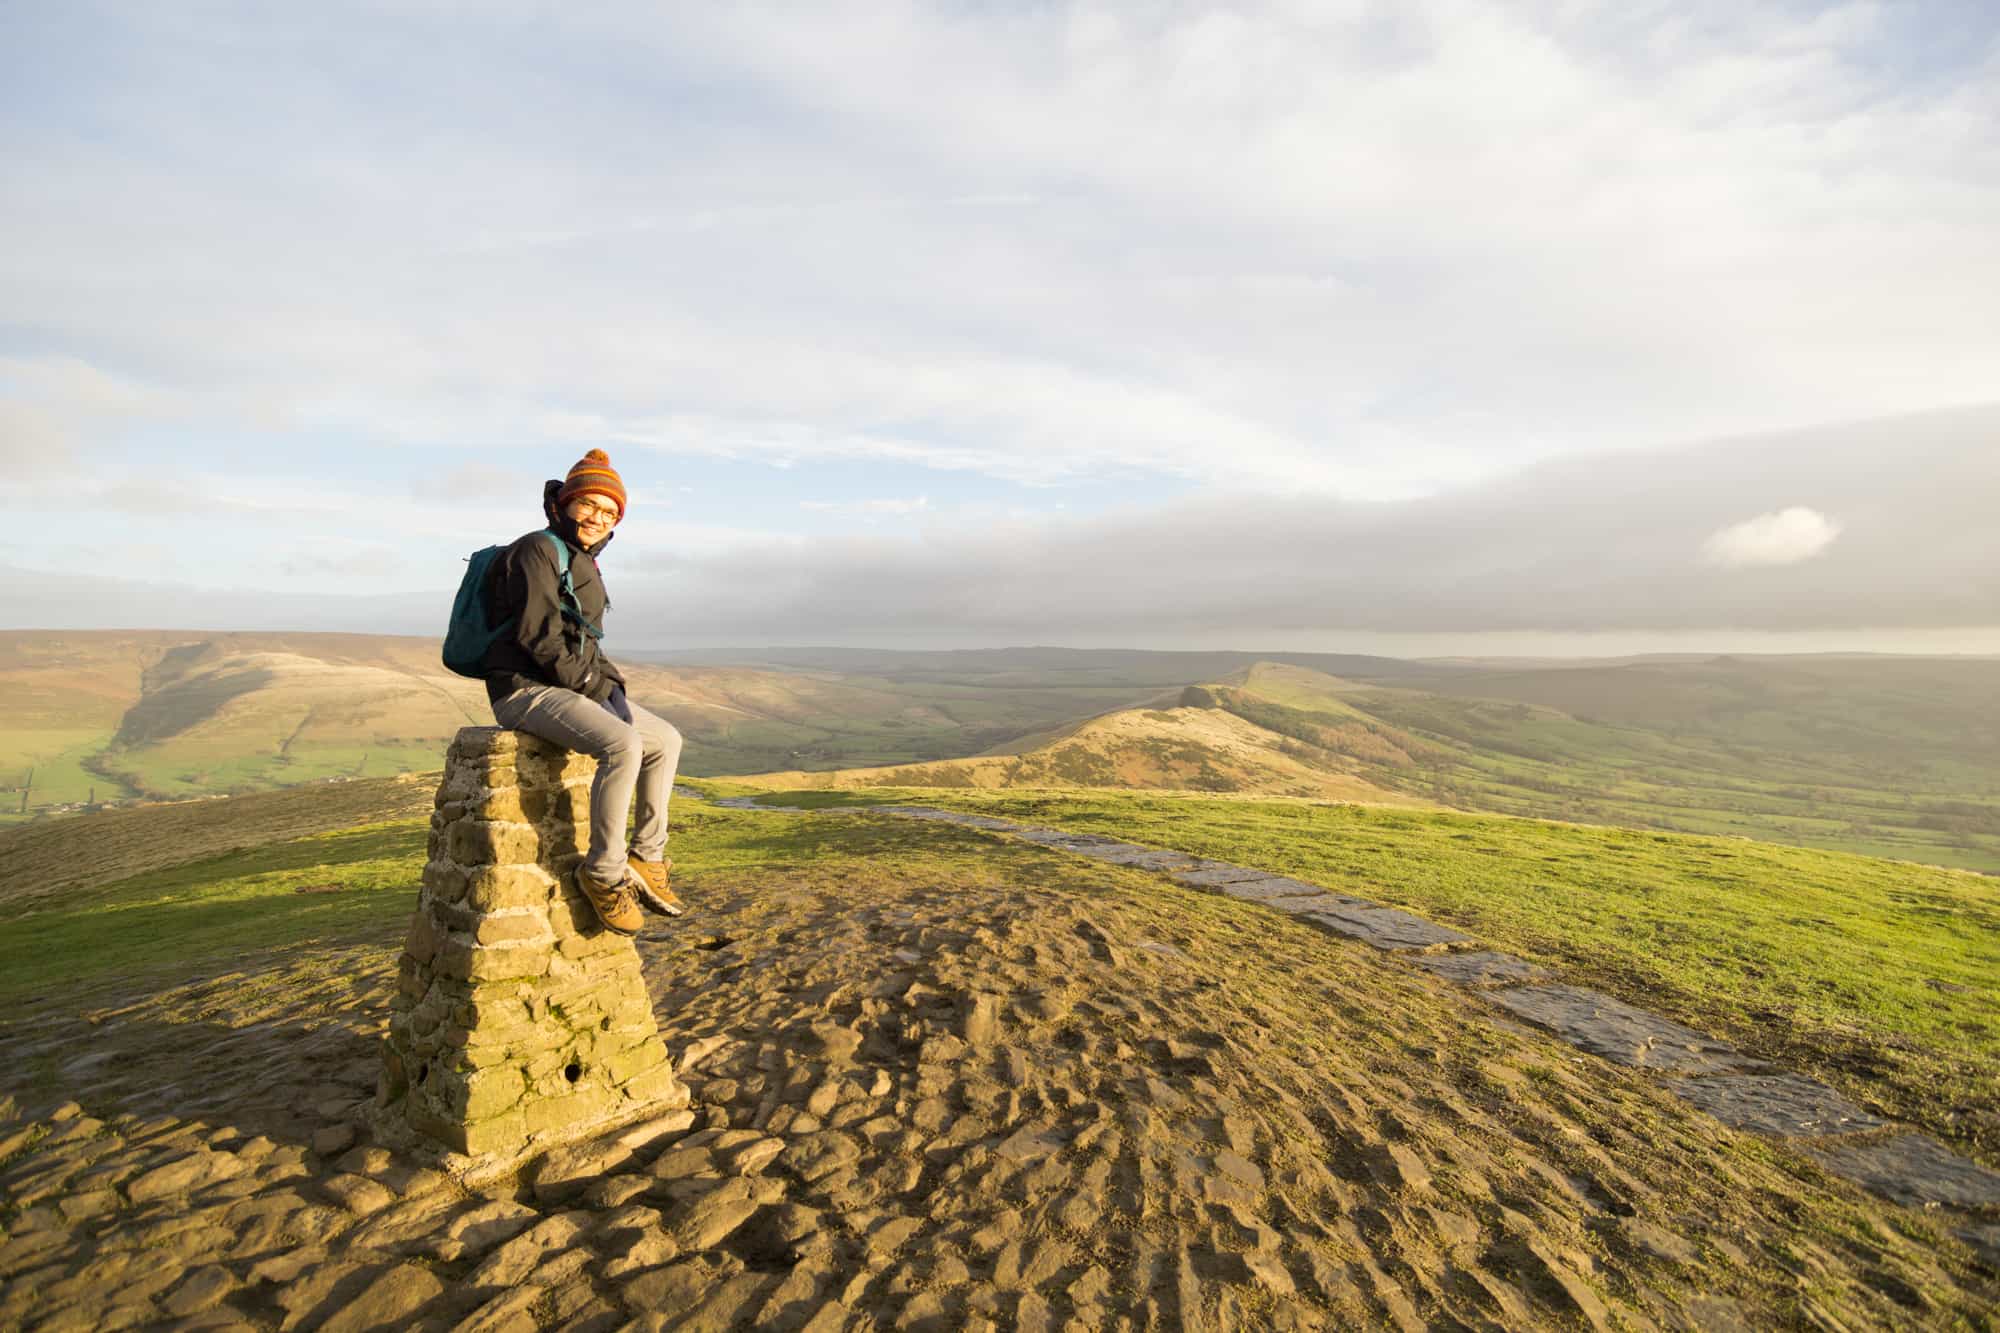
1178,749
1882,756
749,719
163,715
1793,777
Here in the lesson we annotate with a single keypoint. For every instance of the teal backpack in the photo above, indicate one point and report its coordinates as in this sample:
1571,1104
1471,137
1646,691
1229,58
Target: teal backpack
474,629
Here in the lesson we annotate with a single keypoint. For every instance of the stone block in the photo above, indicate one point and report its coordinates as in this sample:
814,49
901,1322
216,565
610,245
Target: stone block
1917,1171
444,881
424,939
475,842
480,742
1776,1104
583,1106
657,1087
508,804
1621,1033
1485,968
515,927
481,1094
630,1063
497,888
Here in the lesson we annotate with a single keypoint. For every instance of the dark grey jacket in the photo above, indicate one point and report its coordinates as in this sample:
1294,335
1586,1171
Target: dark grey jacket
547,647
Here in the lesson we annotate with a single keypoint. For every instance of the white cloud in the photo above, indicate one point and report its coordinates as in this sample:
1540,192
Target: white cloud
1782,537
1367,247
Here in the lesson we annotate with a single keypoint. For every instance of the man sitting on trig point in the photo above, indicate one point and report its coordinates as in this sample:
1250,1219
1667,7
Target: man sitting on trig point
547,677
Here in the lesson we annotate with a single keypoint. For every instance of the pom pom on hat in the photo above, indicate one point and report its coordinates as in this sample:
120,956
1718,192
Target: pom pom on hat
593,475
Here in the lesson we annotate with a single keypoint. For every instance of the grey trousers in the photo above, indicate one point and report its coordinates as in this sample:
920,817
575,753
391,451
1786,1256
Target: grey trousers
641,757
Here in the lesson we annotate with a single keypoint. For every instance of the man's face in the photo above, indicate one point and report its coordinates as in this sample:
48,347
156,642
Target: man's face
594,517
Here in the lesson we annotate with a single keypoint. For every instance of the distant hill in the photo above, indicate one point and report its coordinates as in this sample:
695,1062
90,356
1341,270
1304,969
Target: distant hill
1847,754
1887,757
1169,748
1895,757
120,716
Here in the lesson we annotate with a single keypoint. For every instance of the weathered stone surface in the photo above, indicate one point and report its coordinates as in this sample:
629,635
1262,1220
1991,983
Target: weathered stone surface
1610,1028
1481,969
1384,927
1914,1169
1124,854
715,1215
525,1253
1776,1104
518,1021
1269,888
182,1175
1985,1242
389,1301
1212,874
1049,836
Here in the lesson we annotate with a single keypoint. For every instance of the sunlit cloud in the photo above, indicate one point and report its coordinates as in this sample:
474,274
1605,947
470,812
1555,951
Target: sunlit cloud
1783,537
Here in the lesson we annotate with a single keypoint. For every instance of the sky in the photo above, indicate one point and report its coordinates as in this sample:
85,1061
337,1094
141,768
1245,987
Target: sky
1431,325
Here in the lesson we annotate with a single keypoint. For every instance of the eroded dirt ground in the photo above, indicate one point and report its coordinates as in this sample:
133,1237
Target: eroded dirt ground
1005,1089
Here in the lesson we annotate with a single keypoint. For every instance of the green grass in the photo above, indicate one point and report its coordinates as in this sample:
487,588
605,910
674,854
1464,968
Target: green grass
1876,974
232,908
1519,758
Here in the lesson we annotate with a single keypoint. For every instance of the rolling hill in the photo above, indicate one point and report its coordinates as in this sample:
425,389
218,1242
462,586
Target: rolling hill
1294,731
1170,748
116,716
1896,757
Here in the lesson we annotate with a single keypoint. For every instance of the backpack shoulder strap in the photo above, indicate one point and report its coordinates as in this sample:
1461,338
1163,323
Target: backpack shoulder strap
571,606
562,555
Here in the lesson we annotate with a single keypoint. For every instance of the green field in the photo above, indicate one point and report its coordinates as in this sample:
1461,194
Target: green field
1885,792
47,766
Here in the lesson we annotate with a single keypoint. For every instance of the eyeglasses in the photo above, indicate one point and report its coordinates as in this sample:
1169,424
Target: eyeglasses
596,513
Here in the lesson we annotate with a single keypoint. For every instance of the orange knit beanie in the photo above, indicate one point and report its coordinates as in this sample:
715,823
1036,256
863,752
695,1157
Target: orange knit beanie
592,475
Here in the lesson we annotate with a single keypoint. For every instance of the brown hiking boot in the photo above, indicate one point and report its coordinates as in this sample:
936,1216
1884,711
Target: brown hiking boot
649,881
614,903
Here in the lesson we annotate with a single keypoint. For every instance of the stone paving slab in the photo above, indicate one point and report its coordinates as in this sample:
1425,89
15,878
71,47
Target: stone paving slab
1914,1169
1086,844
1053,836
1784,1104
1985,1240
1146,858
1270,888
1594,1022
1212,874
1387,928
1321,902
1481,969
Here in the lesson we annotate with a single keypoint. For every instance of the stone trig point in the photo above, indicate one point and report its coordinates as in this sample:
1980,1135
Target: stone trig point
518,1021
